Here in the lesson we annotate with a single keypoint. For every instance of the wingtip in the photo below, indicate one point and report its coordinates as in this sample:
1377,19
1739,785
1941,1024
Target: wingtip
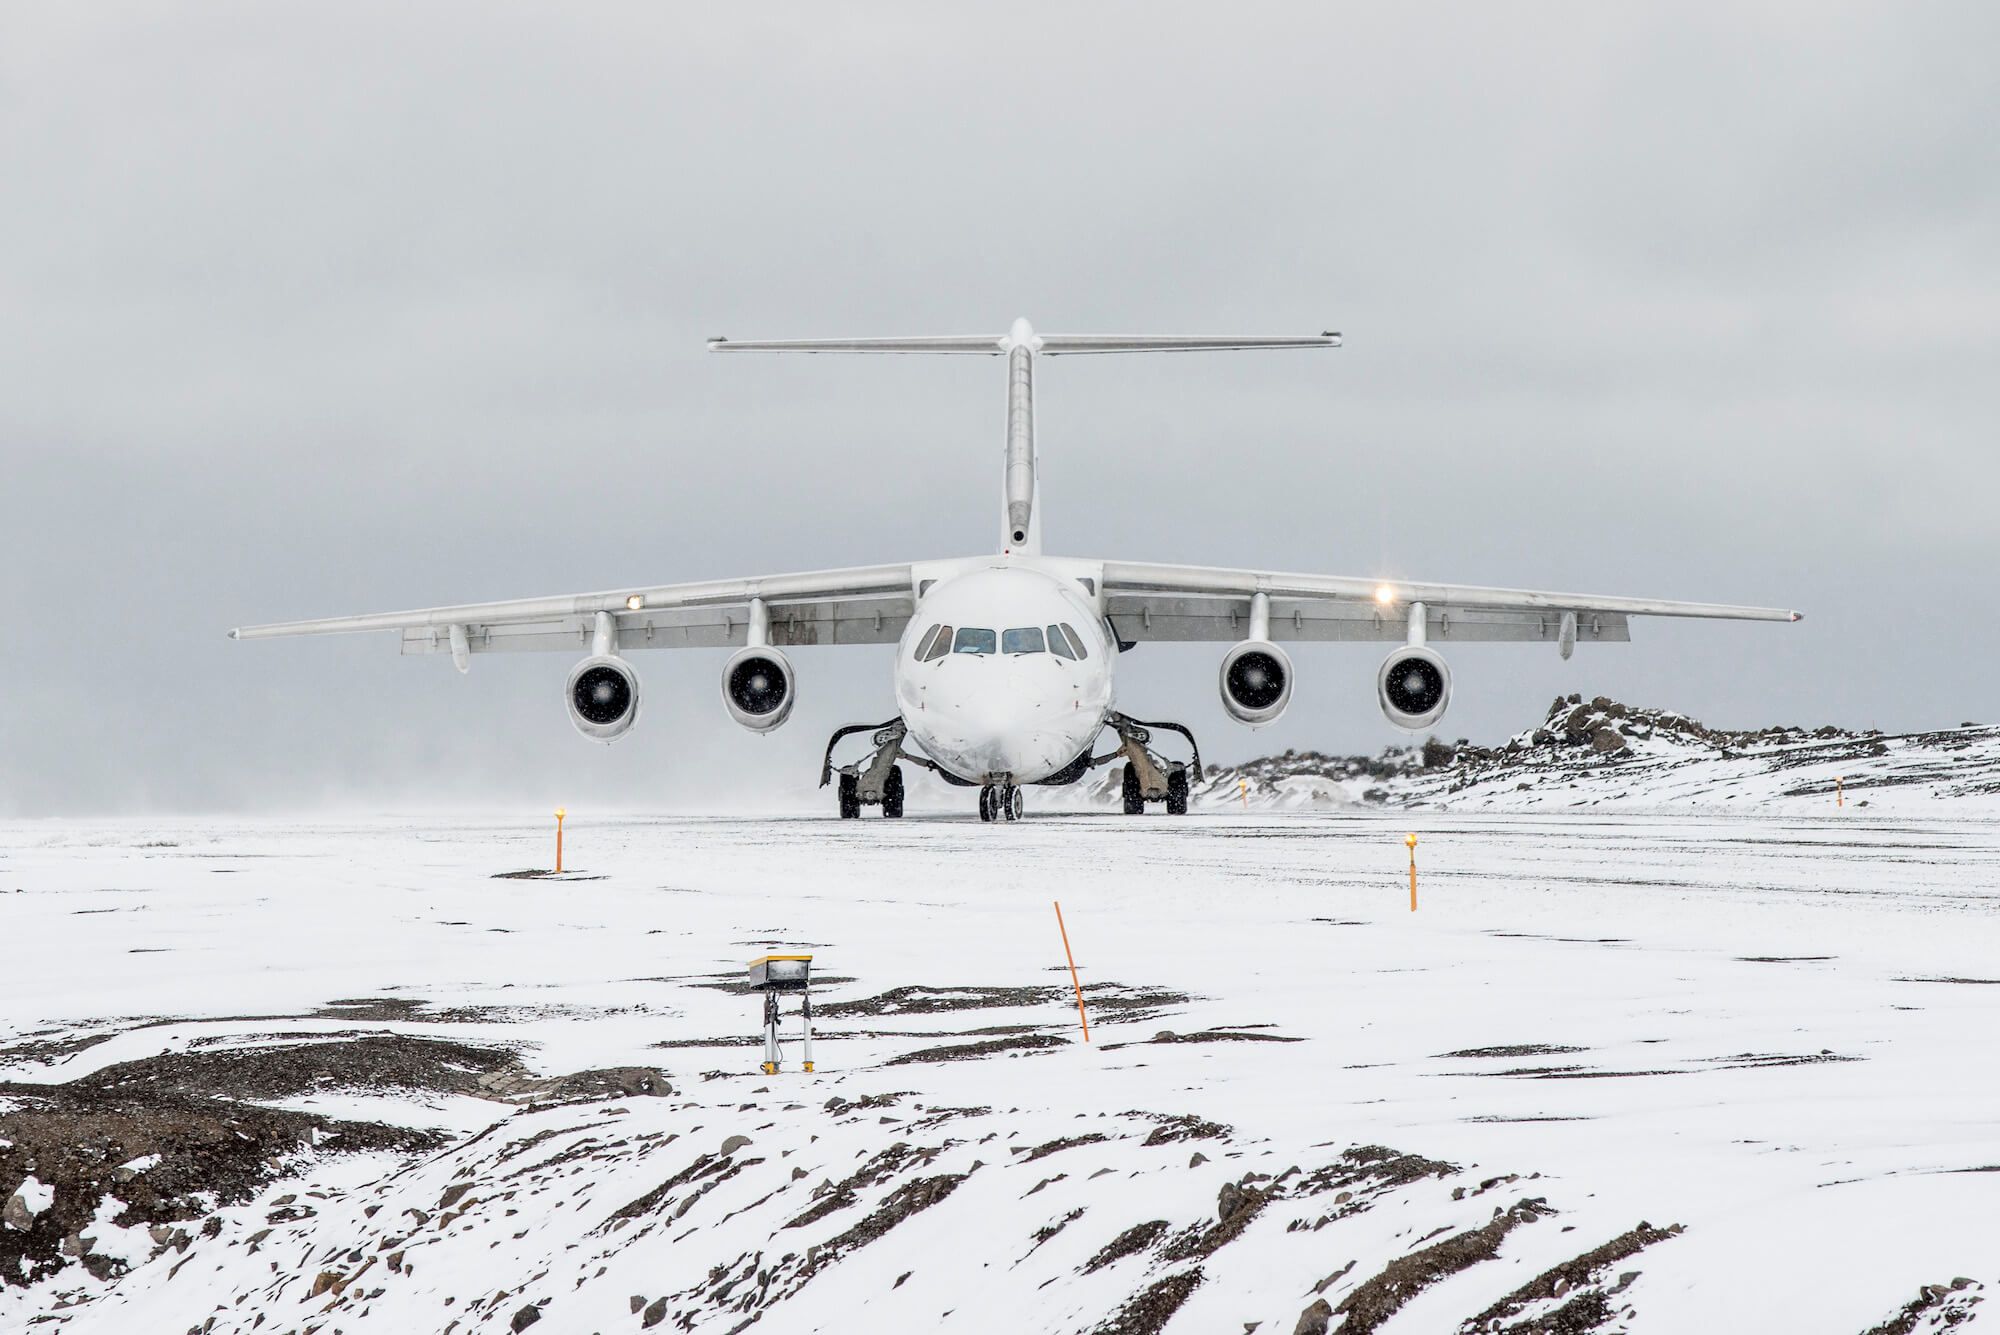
236,634
1798,616
715,341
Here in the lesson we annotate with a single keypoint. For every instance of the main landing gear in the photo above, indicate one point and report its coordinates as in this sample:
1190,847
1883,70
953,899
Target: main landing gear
1147,776
1000,801
876,781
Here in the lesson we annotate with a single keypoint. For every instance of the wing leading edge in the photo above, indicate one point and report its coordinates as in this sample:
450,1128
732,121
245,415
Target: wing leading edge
863,605
1190,603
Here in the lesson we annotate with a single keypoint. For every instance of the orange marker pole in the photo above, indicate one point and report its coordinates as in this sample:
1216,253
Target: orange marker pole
560,813
1411,840
1072,971
1243,790
1839,793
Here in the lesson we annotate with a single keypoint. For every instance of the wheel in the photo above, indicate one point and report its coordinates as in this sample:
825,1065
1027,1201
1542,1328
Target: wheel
892,793
986,804
1177,791
1135,801
850,797
1010,802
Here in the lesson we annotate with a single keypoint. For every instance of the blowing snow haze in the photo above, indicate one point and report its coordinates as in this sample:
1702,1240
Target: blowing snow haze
305,312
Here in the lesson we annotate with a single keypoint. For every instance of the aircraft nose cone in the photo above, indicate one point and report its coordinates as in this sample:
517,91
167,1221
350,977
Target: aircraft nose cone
1008,732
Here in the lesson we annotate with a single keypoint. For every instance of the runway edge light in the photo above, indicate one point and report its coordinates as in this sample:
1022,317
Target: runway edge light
771,975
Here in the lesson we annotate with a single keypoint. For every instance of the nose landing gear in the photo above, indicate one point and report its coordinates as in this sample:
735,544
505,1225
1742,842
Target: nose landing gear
1000,801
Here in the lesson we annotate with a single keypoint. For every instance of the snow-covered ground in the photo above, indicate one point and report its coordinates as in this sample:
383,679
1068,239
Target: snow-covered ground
325,1076
1601,753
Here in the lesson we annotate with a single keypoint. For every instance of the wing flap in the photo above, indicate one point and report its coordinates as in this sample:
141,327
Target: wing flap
829,621
1193,618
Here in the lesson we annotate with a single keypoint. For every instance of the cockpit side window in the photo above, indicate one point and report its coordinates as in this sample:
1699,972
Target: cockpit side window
1059,643
1075,640
937,643
973,640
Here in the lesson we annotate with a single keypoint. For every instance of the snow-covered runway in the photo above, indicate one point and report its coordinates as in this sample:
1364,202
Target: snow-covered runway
1775,1034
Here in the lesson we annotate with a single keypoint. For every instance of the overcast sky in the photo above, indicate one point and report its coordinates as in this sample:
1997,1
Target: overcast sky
308,310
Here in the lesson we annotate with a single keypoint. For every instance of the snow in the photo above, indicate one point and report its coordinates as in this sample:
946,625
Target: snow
34,1196
1771,1030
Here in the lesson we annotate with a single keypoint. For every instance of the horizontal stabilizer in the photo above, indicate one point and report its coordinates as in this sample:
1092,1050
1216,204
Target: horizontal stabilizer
1057,344
1053,345
991,345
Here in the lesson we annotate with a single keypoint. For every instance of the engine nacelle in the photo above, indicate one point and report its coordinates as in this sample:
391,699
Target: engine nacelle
603,697
758,688
1414,686
1256,682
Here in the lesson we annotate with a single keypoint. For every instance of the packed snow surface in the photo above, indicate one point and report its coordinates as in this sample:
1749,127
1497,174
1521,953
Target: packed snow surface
1653,1072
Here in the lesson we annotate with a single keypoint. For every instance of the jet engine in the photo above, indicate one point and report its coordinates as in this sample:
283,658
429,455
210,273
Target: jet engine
758,687
1256,681
1415,686
603,697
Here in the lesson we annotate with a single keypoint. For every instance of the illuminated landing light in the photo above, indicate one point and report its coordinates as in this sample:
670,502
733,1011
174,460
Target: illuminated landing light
635,602
1384,594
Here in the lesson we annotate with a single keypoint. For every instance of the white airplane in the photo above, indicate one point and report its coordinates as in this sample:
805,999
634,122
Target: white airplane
1004,670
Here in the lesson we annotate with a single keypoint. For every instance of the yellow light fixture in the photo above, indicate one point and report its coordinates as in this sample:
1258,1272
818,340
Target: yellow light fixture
635,602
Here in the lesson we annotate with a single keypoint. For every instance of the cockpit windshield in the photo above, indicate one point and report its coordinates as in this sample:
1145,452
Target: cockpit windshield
973,640
1023,640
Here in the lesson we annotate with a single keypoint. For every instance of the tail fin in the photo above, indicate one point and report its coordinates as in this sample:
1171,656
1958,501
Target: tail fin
1021,497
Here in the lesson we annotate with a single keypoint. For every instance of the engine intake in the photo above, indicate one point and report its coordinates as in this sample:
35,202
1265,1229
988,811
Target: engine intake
758,688
1415,687
603,697
1256,682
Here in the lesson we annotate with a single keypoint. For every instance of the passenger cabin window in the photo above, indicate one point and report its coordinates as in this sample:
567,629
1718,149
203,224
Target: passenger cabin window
1075,640
937,643
972,640
1058,644
1023,640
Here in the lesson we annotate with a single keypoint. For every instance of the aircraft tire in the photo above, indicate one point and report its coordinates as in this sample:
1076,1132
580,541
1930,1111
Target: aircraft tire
1135,800
1177,791
850,797
892,794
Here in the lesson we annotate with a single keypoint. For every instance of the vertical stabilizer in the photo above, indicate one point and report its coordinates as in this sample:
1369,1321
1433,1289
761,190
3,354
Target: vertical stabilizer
1021,497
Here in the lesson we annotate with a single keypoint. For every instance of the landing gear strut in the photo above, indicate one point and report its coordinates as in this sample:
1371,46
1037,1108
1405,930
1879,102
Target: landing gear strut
1000,801
1148,777
876,781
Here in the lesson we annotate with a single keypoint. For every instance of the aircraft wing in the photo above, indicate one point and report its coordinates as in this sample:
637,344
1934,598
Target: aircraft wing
864,605
1182,603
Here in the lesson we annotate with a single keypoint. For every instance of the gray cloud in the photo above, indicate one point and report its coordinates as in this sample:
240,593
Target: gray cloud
312,310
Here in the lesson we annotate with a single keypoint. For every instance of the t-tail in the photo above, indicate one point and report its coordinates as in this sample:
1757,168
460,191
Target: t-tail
1021,495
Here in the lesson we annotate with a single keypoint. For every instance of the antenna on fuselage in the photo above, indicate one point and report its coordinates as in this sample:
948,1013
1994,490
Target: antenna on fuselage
1020,517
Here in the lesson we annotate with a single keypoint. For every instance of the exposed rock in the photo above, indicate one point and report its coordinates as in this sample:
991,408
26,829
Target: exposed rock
1315,1319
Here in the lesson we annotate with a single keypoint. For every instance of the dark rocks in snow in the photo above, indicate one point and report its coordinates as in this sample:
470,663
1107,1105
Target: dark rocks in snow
1581,1280
1378,1298
1149,1312
1133,1240
1315,1319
